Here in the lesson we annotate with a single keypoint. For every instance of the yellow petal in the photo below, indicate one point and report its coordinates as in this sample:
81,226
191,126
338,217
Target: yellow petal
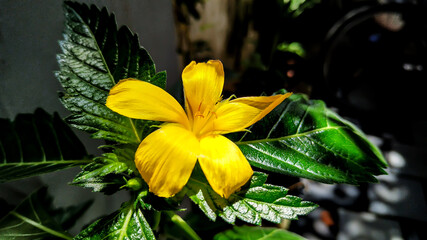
238,114
223,164
142,100
166,159
203,83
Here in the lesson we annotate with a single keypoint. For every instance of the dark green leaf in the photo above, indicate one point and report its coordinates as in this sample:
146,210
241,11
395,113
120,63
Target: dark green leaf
95,57
304,138
32,220
101,166
126,224
256,233
107,173
68,216
37,143
107,184
256,201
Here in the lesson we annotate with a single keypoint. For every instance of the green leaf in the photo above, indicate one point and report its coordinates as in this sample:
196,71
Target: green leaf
126,224
293,47
107,173
304,138
67,217
256,233
297,7
108,184
37,143
108,163
256,201
32,220
95,56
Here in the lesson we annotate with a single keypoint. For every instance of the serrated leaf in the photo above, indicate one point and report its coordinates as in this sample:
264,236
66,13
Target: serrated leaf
128,223
35,144
108,184
107,173
304,138
101,166
256,201
32,220
256,233
95,56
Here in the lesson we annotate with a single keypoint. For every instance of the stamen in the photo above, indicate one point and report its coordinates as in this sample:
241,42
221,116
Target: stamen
198,114
216,116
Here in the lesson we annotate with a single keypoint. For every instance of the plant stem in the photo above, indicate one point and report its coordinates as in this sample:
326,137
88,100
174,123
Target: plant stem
175,218
156,219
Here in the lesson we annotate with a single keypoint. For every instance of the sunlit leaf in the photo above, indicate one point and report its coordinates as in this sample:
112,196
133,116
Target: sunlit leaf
107,173
254,202
304,138
95,56
128,223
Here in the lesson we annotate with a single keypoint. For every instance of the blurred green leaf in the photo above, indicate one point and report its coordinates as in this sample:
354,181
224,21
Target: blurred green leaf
256,233
254,202
304,138
35,144
127,223
297,7
95,56
293,47
32,220
69,216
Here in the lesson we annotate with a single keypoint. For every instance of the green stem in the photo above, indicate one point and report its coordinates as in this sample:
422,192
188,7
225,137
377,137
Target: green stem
41,227
175,218
156,219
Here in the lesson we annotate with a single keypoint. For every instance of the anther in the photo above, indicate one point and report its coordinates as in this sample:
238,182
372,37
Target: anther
198,114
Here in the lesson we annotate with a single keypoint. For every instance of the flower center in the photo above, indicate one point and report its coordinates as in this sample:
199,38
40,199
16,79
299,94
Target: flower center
203,121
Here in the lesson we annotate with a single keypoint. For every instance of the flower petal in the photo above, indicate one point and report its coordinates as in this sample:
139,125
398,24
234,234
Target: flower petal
142,100
203,83
238,114
223,164
166,159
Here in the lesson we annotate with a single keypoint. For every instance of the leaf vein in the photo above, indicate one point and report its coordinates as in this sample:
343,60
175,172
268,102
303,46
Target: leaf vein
278,120
288,136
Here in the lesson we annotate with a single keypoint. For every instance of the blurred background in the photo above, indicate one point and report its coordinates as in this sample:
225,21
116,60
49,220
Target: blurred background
366,59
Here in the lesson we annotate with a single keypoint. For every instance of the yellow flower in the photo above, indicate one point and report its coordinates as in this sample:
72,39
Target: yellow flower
166,157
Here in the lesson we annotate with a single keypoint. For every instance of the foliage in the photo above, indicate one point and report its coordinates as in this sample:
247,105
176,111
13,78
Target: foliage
35,218
296,7
126,223
304,138
37,143
253,233
254,202
293,47
96,56
301,138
